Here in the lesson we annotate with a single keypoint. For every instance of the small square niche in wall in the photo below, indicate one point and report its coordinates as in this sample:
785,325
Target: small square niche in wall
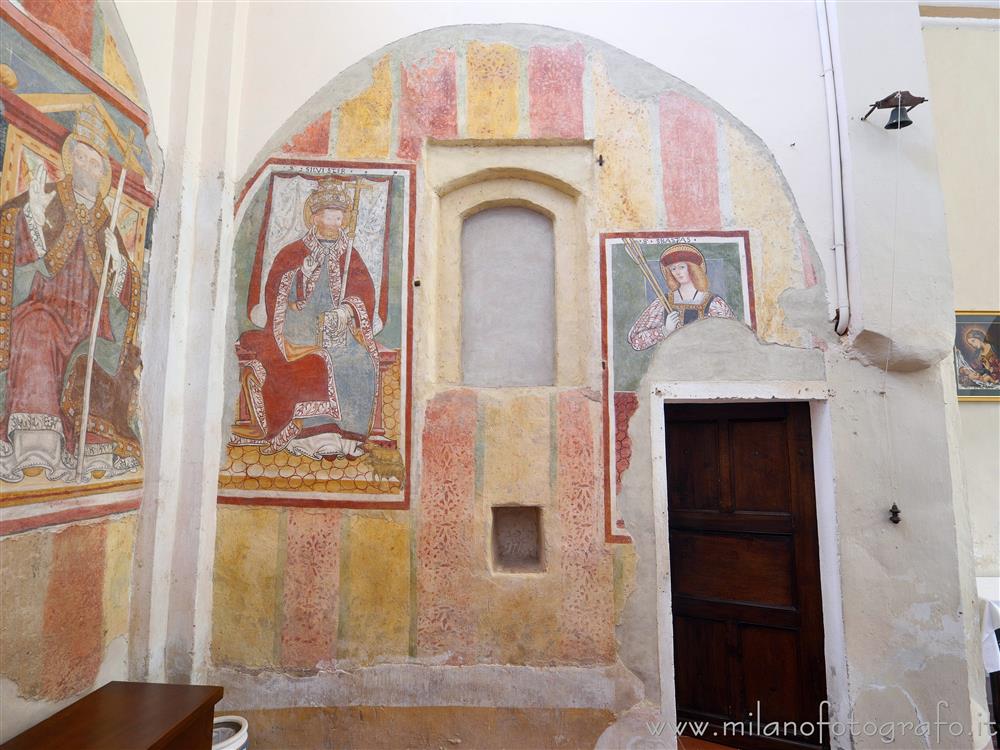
517,538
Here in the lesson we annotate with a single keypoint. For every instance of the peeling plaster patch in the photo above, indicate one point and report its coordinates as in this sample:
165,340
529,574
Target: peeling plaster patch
365,120
388,728
19,714
625,565
677,358
612,687
890,704
313,139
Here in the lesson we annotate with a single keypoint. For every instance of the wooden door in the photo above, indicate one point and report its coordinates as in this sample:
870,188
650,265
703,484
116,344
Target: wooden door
744,570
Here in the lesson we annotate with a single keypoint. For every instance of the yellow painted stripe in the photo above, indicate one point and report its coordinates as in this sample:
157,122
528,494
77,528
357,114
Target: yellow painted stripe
492,83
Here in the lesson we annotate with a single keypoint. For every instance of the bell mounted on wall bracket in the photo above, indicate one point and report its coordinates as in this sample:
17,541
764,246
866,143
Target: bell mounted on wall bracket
899,103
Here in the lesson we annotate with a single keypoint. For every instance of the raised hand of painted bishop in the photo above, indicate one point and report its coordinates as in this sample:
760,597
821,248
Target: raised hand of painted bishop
38,199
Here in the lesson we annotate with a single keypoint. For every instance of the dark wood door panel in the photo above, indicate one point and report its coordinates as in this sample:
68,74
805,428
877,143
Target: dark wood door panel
744,567
770,666
693,465
731,567
760,465
696,648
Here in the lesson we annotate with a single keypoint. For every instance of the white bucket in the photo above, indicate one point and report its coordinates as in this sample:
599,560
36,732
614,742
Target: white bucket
230,733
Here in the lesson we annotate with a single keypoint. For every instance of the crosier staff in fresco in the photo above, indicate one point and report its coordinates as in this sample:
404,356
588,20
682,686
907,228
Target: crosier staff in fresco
53,238
310,376
683,269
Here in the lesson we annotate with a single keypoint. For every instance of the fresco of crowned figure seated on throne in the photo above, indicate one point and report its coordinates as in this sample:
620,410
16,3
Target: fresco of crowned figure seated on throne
317,381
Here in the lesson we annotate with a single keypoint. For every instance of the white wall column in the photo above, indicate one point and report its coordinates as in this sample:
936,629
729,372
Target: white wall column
185,336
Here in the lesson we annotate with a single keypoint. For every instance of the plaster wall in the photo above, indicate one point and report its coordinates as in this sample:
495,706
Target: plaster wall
961,63
902,585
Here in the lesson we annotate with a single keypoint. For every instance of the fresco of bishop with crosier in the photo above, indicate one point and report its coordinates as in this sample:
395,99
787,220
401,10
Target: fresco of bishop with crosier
69,302
317,387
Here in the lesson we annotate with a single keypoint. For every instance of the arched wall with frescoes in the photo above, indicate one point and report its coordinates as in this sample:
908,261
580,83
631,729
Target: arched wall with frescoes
385,557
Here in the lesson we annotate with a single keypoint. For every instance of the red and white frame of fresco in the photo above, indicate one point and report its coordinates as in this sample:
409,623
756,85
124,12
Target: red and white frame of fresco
613,525
259,180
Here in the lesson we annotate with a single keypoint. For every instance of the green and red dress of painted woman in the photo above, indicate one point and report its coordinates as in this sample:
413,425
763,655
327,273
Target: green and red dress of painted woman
685,273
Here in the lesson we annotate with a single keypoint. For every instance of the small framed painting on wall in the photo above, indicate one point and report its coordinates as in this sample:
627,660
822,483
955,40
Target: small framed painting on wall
977,355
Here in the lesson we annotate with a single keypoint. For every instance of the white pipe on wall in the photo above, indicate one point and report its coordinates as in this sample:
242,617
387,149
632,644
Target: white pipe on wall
833,110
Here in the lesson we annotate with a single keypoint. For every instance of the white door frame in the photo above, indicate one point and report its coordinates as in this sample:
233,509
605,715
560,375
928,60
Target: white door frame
817,393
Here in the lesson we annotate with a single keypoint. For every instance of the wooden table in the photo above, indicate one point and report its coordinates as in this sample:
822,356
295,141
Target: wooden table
129,716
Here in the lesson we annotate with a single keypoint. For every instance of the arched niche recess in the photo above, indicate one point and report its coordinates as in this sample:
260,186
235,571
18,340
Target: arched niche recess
503,178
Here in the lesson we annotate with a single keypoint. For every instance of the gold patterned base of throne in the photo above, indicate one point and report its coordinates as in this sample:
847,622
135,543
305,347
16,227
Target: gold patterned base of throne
246,468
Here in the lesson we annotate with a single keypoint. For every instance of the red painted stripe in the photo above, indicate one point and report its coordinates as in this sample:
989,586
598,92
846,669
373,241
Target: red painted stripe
17,525
73,63
446,618
609,535
313,139
429,103
72,640
690,163
586,632
555,91
310,595
72,21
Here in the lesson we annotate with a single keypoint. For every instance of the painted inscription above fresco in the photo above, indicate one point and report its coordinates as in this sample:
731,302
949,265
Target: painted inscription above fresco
74,213
317,382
